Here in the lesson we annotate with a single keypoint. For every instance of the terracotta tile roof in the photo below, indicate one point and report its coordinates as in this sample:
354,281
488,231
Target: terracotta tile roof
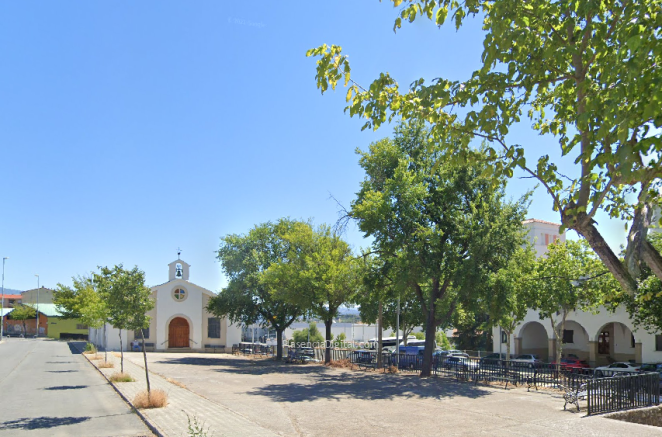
13,296
539,221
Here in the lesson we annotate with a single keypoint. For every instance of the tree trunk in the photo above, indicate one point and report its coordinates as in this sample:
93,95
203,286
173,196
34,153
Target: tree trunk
652,258
327,351
105,343
279,344
121,354
507,346
380,344
430,331
142,333
606,255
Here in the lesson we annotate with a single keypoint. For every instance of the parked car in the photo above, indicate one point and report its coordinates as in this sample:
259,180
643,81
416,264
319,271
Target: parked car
444,354
616,368
527,360
460,363
572,364
653,367
493,359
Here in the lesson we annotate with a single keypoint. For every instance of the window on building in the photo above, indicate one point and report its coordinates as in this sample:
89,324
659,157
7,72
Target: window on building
81,326
136,333
568,336
179,294
658,342
632,340
214,327
504,337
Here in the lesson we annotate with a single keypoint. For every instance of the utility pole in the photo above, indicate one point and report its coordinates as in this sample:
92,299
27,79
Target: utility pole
37,320
2,305
379,337
397,334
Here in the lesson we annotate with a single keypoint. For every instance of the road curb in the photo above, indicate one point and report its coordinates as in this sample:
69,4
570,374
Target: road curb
144,418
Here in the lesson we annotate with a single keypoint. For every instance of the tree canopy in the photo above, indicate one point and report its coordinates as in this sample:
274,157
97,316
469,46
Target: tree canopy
587,73
322,274
251,296
569,278
445,228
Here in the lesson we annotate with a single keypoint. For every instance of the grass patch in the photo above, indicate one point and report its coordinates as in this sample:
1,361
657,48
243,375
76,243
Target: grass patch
95,357
154,399
105,365
117,355
177,383
121,377
90,349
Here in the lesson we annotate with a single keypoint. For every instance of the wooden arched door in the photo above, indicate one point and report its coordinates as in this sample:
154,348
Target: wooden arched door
178,332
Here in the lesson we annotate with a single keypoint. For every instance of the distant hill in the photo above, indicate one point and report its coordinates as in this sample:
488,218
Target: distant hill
12,291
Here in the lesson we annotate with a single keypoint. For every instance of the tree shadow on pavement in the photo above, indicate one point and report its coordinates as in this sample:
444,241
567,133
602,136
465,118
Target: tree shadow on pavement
248,366
76,347
41,422
370,387
62,371
66,387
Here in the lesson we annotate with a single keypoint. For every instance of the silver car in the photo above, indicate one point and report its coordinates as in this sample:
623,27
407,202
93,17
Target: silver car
616,368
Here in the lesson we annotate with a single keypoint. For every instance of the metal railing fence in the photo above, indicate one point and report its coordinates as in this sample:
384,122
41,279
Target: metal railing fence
624,392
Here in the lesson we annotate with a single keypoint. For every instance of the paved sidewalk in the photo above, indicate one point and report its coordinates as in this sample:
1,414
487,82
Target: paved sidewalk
172,420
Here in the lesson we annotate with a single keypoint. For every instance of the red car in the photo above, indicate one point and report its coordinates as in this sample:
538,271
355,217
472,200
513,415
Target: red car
573,363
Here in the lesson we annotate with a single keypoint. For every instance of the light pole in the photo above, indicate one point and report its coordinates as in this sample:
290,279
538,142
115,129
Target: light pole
37,319
2,305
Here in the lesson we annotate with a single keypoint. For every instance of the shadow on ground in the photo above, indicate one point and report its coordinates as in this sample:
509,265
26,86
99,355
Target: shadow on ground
369,387
66,387
76,347
41,422
62,371
248,366
329,383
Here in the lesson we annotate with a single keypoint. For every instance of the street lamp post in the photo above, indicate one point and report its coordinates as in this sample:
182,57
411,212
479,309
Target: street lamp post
36,335
2,305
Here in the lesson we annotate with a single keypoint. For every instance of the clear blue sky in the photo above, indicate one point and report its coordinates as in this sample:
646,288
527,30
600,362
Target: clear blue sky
128,129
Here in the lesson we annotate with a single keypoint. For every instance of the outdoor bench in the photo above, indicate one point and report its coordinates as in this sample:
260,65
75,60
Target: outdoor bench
540,379
215,347
149,347
573,396
508,378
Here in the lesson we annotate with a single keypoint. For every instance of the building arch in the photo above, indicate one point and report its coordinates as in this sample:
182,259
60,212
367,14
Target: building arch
576,339
615,341
533,338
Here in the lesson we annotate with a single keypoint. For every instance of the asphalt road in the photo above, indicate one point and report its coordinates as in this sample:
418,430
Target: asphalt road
48,389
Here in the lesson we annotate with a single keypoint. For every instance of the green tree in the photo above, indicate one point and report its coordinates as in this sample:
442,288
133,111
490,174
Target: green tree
512,288
302,337
442,340
321,276
645,307
383,283
249,297
341,339
81,301
568,279
22,313
585,72
445,227
127,299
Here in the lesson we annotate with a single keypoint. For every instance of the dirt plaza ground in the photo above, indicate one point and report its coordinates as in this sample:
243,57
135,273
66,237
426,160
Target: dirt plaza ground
312,400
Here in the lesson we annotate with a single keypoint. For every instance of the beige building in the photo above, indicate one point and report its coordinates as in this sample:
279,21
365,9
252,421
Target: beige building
179,320
597,338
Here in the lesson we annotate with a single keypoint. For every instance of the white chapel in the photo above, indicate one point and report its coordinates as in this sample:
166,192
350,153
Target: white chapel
179,320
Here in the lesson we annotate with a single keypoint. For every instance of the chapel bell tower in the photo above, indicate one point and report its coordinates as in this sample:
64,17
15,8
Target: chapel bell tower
178,270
